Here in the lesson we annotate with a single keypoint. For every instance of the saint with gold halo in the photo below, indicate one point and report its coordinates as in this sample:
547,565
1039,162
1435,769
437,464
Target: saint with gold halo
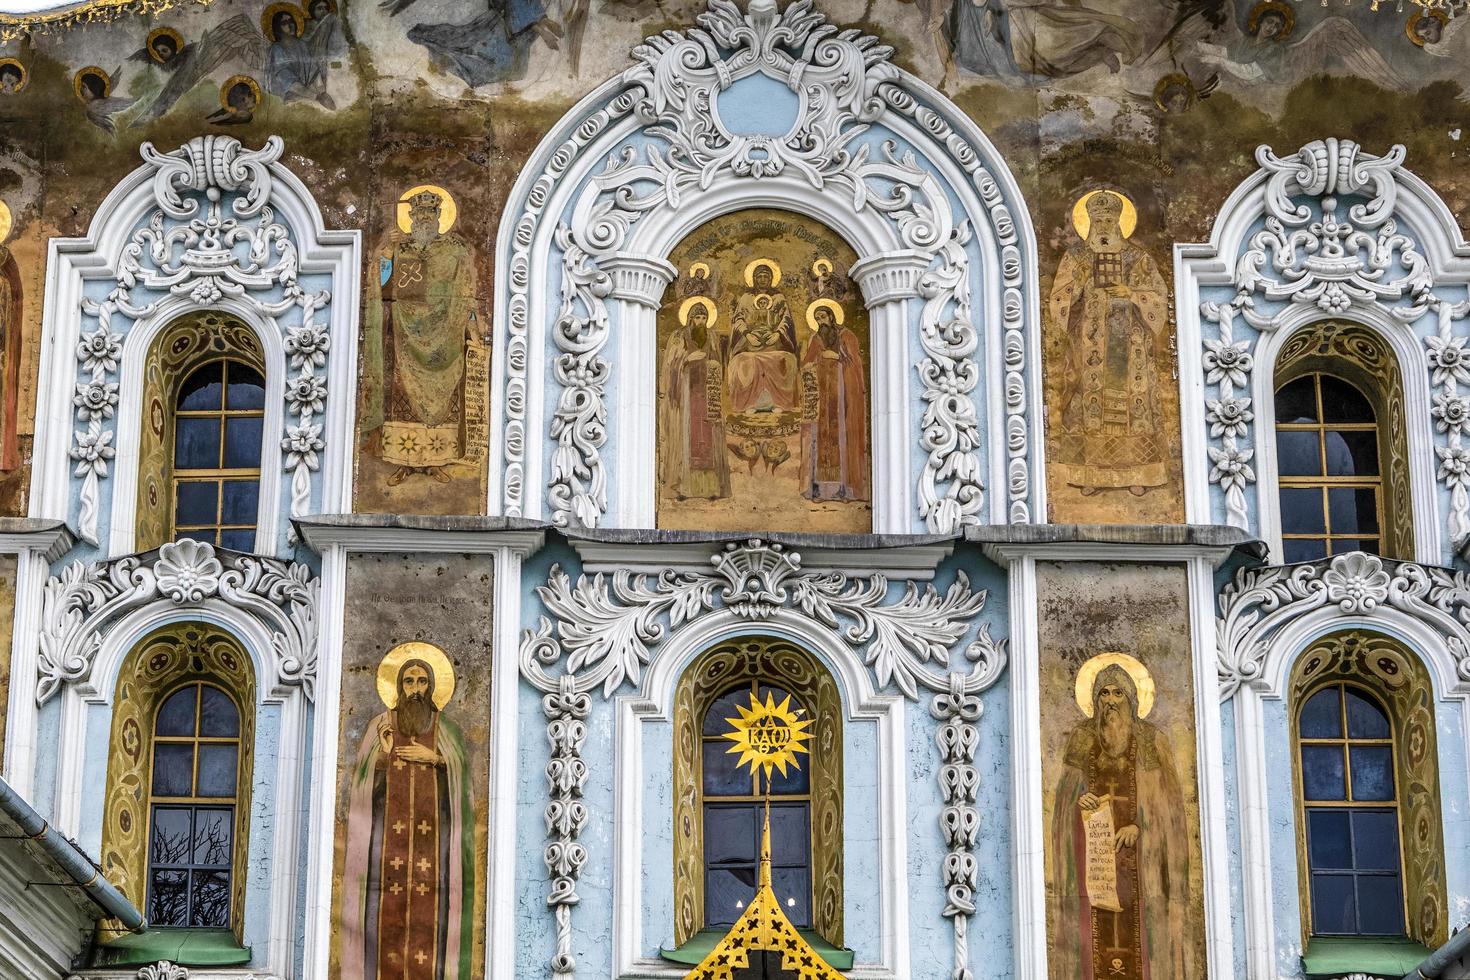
692,458
1110,303
407,911
762,373
1119,841
834,429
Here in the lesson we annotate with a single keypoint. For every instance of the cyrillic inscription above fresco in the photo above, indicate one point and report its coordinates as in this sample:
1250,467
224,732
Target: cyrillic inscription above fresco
763,409
1158,103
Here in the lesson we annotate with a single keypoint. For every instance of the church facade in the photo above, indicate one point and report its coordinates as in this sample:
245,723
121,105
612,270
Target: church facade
429,438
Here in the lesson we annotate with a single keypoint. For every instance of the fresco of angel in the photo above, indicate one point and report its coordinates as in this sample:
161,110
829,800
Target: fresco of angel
1266,53
94,87
186,65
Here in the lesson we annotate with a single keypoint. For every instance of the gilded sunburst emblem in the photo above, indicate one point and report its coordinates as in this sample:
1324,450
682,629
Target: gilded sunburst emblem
768,735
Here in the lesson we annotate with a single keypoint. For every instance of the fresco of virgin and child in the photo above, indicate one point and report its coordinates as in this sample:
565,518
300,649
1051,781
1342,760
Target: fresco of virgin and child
763,415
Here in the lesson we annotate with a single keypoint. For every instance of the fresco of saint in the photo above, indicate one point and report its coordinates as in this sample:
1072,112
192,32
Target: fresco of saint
1110,301
420,315
693,423
409,878
763,348
834,441
1119,846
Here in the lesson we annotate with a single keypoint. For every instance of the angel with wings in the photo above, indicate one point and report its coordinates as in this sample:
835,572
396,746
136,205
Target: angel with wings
186,65
1334,46
94,88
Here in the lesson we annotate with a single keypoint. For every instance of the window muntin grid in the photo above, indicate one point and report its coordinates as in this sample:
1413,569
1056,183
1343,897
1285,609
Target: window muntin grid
219,423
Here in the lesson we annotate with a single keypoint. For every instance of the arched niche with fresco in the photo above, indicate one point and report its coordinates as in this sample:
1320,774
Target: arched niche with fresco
764,418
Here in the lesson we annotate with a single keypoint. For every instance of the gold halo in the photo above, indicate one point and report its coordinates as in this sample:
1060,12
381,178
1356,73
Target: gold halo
1082,221
394,660
817,267
448,210
775,271
1412,23
6,222
1266,6
1143,682
25,79
167,32
811,313
699,267
707,303
268,18
224,90
1172,80
76,80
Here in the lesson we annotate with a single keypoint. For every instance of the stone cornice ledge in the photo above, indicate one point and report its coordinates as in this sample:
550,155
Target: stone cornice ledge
1116,542
401,533
43,536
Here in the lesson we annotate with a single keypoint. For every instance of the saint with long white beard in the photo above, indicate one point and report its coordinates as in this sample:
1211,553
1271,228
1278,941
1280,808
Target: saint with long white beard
1116,760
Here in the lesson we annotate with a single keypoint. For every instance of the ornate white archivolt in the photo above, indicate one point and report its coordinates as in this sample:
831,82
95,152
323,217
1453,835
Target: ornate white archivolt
1261,601
871,150
606,629
81,603
1329,232
210,225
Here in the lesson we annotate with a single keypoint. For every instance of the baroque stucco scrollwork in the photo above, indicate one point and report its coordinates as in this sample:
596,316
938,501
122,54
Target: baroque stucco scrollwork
79,604
842,145
605,630
1334,243
212,236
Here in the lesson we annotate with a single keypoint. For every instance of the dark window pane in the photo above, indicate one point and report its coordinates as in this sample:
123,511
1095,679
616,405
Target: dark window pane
1301,511
197,503
1322,772
217,769
211,900
238,540
1297,454
1330,847
721,778
176,717
791,836
727,891
242,442
173,770
1354,510
1380,906
241,503
217,715
1365,719
1333,905
796,779
1321,716
1375,840
202,390
1352,453
168,899
731,834
247,388
196,445
778,695
214,839
170,835
206,534
1297,401
1341,402
714,719
1372,772
1341,546
1303,549
793,890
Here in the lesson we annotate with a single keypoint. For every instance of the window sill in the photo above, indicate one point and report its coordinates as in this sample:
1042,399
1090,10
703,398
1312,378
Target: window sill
186,947
693,952
1328,956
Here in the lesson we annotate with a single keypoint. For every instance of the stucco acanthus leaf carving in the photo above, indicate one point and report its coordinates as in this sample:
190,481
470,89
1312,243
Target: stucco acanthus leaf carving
163,970
1313,251
606,629
80,603
958,714
197,246
1260,601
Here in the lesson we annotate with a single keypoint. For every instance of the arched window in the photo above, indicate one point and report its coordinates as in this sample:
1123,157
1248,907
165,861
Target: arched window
718,808
218,423
1341,461
193,790
180,758
203,433
1370,845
